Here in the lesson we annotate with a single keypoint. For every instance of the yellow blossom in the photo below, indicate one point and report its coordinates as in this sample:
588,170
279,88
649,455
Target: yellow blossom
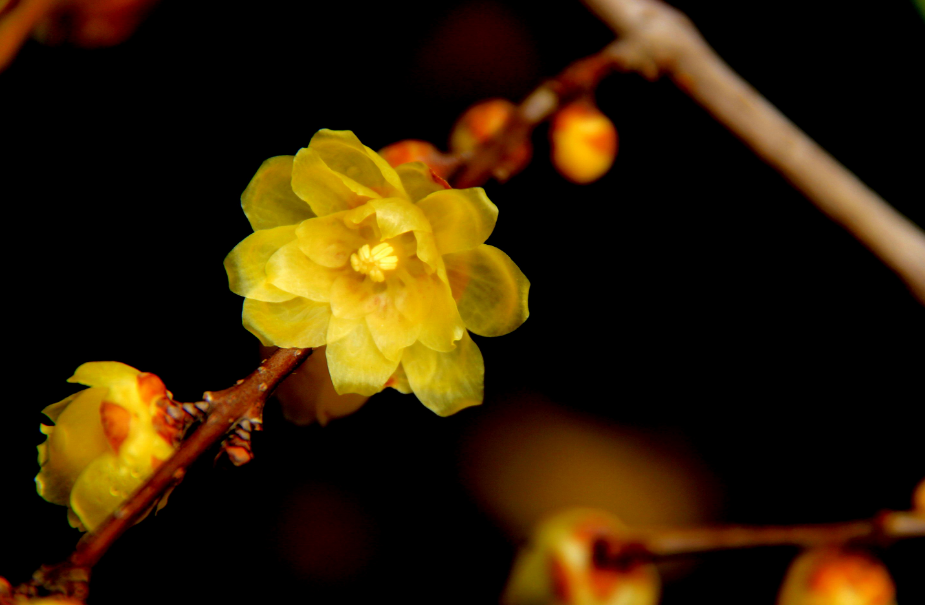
105,442
385,266
557,567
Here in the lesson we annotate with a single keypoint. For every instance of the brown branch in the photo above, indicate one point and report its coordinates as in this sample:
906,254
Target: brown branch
652,545
656,38
242,403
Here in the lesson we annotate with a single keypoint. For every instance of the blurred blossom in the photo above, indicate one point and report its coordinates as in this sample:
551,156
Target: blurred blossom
918,498
105,442
386,267
528,458
86,23
558,567
835,576
324,535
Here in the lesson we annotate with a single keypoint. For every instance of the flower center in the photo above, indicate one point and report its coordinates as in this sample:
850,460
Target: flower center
374,262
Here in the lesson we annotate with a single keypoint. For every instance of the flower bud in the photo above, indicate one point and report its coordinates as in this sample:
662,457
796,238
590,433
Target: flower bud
918,499
558,567
105,442
480,123
584,142
837,576
411,150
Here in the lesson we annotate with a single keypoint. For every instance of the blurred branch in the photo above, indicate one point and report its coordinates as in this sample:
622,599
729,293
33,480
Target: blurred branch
227,410
656,38
661,544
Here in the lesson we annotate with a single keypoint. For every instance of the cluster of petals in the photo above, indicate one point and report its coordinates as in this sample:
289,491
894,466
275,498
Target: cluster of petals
106,440
384,266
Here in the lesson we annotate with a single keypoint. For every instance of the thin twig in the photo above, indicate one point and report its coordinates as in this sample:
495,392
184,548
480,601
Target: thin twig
657,37
227,408
653,545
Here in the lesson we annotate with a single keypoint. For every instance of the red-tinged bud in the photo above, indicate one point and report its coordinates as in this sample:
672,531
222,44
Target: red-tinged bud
584,142
837,576
480,123
92,23
413,150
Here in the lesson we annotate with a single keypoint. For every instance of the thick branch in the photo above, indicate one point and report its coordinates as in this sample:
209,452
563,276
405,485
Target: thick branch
654,35
227,408
668,543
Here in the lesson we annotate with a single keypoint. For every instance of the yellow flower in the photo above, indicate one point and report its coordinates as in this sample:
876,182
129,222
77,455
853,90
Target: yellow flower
385,266
106,441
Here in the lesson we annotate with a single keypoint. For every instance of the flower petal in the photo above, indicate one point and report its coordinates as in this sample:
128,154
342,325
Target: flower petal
103,486
461,218
246,264
442,326
330,240
269,200
357,365
103,373
359,167
354,296
446,382
291,271
298,322
428,254
419,180
318,185
75,440
490,290
392,331
396,216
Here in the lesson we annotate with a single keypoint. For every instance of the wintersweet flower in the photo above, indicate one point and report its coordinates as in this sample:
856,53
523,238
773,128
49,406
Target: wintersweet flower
385,266
105,442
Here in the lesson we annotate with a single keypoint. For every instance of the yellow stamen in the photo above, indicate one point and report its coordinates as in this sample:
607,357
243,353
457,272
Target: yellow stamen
374,262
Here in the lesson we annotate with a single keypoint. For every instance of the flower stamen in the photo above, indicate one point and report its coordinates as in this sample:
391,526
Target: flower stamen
374,261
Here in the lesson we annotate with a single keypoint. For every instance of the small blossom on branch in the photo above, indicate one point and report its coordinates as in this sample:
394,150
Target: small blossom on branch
386,267
106,440
837,576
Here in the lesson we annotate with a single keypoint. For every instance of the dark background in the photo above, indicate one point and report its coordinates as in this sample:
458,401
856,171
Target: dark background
690,300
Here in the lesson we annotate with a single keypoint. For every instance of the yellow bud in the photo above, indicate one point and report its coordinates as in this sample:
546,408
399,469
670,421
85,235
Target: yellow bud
105,442
558,566
584,142
836,576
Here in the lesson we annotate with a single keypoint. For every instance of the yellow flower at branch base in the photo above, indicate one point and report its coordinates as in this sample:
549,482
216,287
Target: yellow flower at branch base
106,440
837,576
385,267
558,565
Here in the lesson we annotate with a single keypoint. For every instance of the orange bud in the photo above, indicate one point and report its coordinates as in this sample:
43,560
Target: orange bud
836,576
480,123
584,142
918,499
413,150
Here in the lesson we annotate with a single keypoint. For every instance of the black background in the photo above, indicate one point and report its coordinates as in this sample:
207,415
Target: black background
691,295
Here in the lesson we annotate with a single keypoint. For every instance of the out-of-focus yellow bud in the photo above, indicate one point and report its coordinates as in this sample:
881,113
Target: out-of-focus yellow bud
105,442
412,150
836,576
558,566
584,142
481,122
918,499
